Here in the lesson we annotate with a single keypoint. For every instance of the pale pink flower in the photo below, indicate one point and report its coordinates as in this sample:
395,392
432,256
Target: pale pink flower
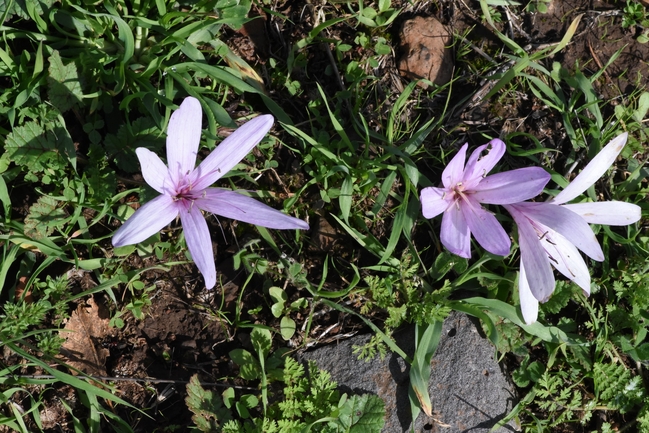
466,188
184,189
551,233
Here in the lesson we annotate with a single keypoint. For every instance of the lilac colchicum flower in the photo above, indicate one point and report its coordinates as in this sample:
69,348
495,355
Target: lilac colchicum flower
184,188
551,233
466,187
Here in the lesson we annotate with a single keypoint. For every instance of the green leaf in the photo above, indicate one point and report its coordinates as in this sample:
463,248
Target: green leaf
278,294
551,334
209,413
141,133
5,199
287,327
384,5
420,368
360,414
345,198
32,147
43,217
249,367
63,86
261,340
277,309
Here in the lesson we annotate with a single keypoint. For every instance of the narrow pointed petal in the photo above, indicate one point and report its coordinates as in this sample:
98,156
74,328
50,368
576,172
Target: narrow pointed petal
565,257
231,151
537,265
455,234
433,201
568,223
146,221
183,138
593,171
454,171
231,204
154,171
529,304
511,186
486,228
199,242
610,213
482,161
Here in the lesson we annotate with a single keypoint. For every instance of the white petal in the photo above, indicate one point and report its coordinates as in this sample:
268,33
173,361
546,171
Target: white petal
154,171
565,257
183,138
433,201
454,171
146,221
237,206
529,304
566,222
537,265
455,234
199,242
482,161
593,171
231,151
485,228
610,213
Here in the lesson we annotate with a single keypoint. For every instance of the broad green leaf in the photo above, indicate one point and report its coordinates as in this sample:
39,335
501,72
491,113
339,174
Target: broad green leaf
643,106
249,367
63,86
384,5
360,414
31,146
278,294
207,407
261,340
141,133
43,217
287,328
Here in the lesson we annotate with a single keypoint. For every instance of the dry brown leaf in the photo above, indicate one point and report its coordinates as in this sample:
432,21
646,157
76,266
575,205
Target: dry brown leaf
87,326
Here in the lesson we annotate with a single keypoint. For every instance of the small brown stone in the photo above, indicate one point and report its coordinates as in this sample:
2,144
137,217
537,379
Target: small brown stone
424,42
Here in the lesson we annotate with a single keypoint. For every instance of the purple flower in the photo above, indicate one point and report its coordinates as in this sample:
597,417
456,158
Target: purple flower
551,233
184,188
467,187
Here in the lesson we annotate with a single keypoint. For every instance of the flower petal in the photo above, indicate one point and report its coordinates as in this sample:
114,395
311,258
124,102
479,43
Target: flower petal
231,151
529,304
537,265
610,213
593,171
433,201
199,242
146,221
455,234
454,171
231,204
566,259
486,228
511,186
482,161
183,138
566,222
154,171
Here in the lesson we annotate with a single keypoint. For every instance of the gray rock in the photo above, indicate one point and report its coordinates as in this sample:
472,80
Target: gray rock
468,390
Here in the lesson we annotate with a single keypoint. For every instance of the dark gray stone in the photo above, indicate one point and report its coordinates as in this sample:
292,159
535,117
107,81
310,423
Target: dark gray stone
468,390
